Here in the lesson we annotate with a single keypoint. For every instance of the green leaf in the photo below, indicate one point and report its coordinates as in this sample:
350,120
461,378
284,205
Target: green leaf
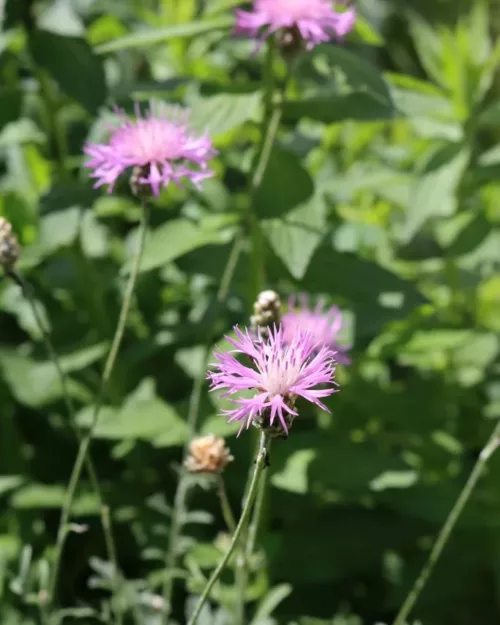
394,479
40,496
329,109
285,185
34,383
144,416
159,35
9,482
73,65
223,112
270,602
434,194
295,237
178,237
10,106
376,294
294,475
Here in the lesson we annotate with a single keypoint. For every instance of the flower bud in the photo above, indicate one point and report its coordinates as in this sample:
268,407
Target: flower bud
9,246
267,310
208,454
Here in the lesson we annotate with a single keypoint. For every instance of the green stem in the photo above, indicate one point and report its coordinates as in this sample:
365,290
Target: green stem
84,446
248,549
194,406
444,534
27,291
225,505
260,463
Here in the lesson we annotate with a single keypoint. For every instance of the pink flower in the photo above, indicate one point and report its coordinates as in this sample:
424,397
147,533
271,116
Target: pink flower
280,373
316,20
161,145
323,325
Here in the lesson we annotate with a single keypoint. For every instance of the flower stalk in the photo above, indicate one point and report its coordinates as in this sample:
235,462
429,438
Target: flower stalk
445,533
84,446
259,465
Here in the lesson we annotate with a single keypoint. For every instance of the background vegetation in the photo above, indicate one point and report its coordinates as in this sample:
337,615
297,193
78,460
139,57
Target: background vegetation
381,194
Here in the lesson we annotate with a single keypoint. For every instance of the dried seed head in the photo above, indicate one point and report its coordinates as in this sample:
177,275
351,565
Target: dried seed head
9,246
267,310
208,454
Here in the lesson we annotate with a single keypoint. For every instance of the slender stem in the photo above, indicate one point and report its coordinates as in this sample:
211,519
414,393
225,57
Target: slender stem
194,406
225,505
108,368
260,463
248,548
27,291
448,526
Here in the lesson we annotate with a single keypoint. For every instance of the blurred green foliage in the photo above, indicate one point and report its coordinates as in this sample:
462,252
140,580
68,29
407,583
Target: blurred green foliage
382,194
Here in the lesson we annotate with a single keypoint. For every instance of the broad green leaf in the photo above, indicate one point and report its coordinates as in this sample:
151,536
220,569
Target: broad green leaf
295,237
73,65
34,383
144,416
223,112
285,185
160,35
362,76
176,238
358,106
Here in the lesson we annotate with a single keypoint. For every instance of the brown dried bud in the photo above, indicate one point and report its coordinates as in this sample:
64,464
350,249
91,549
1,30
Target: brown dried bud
9,246
267,310
208,454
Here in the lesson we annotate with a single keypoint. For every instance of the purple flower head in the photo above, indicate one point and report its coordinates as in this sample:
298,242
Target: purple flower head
160,145
315,20
323,325
280,373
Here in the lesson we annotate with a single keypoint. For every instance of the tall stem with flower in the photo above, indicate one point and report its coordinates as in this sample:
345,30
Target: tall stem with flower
160,148
279,373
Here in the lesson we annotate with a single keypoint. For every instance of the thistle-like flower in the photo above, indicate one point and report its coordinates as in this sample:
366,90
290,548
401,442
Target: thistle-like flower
280,373
208,454
323,325
315,20
160,147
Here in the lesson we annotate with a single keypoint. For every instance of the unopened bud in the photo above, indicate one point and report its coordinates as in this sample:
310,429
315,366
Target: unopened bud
208,454
9,246
267,310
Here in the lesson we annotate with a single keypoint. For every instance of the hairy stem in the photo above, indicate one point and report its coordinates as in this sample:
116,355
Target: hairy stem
84,446
260,463
28,293
445,533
